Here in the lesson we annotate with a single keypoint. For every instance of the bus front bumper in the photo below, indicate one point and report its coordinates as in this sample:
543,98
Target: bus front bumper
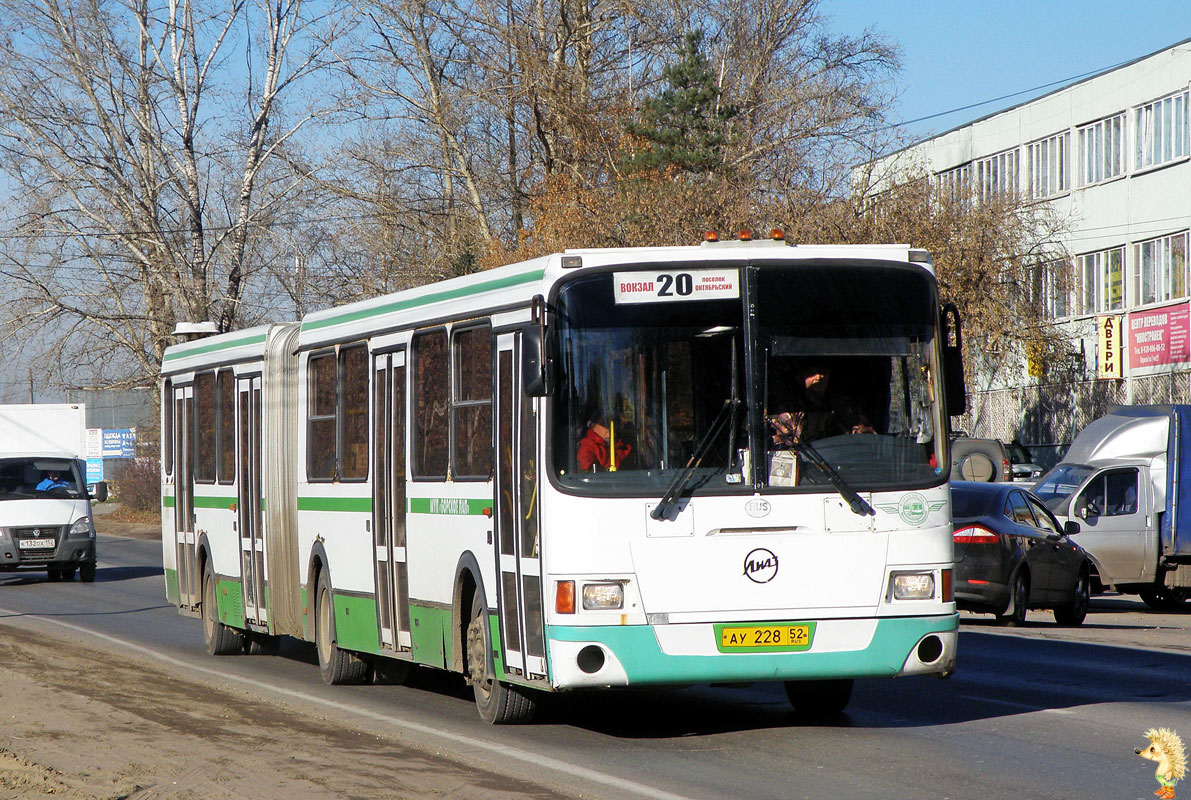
633,655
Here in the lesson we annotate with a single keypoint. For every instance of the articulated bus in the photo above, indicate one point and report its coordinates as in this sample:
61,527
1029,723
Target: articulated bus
403,480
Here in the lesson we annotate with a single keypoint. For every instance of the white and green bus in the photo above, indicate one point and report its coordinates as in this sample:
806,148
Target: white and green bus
413,479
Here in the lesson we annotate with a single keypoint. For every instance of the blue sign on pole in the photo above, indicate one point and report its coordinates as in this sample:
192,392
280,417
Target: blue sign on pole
94,470
119,442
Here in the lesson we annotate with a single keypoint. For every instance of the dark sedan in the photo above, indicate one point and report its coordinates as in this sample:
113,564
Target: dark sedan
1011,554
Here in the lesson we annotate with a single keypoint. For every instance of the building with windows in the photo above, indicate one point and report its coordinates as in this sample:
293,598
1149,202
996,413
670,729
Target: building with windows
1112,154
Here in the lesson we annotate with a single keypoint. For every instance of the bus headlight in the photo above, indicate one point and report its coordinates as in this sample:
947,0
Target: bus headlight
912,585
602,596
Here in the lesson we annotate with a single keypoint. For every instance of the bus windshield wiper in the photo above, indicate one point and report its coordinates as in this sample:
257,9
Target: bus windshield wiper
857,503
668,501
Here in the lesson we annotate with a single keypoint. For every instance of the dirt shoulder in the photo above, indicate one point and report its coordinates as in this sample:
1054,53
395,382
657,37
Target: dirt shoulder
83,724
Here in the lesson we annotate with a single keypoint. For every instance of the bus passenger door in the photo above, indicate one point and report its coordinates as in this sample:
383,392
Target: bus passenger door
517,552
248,501
388,501
184,544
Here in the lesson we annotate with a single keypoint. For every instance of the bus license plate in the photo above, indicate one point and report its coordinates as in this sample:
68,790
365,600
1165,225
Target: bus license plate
33,544
777,638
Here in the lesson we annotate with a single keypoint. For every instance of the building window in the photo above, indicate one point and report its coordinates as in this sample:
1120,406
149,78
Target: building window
1048,166
1162,131
1101,279
1102,150
997,175
954,184
1050,289
1162,269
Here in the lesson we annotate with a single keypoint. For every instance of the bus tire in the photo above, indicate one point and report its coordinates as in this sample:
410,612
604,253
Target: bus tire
337,667
499,703
819,698
219,638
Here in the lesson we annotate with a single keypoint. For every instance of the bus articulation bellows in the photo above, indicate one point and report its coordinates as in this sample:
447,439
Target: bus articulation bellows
413,479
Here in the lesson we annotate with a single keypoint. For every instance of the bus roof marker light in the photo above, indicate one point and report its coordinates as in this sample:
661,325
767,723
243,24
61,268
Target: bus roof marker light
745,235
571,262
778,235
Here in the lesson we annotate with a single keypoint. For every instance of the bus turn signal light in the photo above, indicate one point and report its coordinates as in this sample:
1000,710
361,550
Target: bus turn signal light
564,597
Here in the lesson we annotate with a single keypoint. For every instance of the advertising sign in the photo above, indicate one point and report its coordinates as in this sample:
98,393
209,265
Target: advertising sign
94,470
1159,337
1110,347
119,442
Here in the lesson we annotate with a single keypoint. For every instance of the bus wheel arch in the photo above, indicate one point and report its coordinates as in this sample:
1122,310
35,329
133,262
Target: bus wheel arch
469,583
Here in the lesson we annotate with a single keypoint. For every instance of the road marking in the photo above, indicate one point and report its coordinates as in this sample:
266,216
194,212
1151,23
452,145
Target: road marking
533,759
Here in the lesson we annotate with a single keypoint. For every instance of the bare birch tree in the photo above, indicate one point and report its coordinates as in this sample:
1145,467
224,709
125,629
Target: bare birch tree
141,141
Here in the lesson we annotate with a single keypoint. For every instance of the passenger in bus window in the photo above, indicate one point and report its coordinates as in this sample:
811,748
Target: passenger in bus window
594,453
818,412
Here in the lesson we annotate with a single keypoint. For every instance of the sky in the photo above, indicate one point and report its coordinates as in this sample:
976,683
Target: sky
961,52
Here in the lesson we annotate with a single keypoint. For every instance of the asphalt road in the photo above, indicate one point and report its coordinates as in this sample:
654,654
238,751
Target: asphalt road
1039,711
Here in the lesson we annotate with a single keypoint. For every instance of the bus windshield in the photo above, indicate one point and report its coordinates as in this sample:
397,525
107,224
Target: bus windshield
835,366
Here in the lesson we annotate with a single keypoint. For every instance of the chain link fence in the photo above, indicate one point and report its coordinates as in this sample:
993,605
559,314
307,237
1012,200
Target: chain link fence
1047,417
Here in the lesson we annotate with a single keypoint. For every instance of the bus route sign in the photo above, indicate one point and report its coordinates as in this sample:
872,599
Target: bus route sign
664,286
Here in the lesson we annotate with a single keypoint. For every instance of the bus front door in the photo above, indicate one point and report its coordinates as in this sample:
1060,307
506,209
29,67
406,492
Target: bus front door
248,501
189,589
519,589
388,501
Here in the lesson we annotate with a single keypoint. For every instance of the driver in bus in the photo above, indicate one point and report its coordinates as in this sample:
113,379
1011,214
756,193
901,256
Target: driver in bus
820,414
594,453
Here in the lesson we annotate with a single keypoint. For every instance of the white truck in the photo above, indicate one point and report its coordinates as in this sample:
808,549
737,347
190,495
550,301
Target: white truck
45,504
1126,482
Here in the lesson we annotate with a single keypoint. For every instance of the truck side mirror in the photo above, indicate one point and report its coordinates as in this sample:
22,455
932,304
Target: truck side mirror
99,492
955,394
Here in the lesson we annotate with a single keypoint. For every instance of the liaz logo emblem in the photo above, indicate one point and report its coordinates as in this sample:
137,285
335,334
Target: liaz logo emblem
913,509
757,507
760,565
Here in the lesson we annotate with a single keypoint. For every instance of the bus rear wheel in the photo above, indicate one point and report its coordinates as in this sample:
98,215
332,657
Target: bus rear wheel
819,698
499,703
337,667
219,638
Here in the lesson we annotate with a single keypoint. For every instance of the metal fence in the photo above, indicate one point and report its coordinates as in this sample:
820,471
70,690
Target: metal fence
1047,417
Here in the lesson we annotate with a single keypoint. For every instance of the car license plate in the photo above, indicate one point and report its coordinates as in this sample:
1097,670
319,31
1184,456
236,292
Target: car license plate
780,637
34,544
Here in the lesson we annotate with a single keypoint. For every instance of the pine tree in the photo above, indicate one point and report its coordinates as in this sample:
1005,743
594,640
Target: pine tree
685,126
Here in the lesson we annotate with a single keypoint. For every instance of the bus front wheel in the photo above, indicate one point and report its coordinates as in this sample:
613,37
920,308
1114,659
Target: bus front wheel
499,703
337,667
819,698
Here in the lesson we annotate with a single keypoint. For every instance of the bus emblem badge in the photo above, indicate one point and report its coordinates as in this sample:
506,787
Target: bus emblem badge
760,565
913,509
757,507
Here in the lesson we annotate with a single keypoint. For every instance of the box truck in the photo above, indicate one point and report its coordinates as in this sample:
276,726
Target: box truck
1127,480
45,504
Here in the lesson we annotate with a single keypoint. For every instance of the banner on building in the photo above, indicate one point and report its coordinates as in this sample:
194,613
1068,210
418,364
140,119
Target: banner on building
119,442
1159,337
1110,348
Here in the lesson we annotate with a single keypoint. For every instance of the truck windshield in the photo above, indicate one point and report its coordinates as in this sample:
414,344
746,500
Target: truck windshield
842,357
1057,485
37,478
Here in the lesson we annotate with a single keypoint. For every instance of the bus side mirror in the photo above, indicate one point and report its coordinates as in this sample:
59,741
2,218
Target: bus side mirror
537,367
955,394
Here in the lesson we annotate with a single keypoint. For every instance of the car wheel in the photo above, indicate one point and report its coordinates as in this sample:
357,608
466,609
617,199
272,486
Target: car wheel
87,572
337,667
1019,599
1164,598
53,574
1076,611
819,698
499,703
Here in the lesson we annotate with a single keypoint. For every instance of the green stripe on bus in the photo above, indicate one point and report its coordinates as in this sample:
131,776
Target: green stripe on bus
335,504
167,501
214,502
211,348
451,506
427,299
